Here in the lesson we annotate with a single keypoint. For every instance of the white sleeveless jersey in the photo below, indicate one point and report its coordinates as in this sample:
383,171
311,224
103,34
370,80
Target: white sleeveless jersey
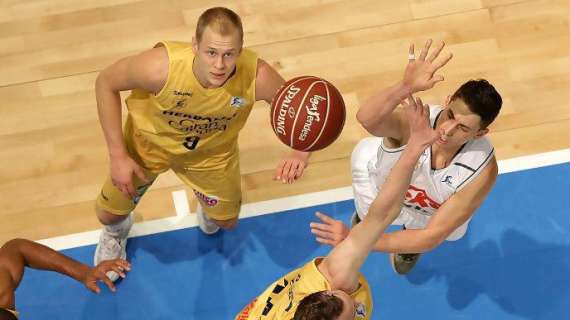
430,188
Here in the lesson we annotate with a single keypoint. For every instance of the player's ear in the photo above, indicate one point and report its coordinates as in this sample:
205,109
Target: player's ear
194,45
447,101
481,132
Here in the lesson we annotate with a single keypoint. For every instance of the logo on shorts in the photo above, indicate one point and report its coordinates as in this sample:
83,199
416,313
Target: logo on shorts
237,102
210,201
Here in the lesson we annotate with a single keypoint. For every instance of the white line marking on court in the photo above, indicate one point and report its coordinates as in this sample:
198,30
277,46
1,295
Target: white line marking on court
185,220
181,204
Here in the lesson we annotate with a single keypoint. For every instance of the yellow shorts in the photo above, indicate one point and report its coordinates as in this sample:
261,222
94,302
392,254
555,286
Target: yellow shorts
218,190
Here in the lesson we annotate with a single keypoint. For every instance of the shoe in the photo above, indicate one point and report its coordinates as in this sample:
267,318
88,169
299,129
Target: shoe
113,244
402,263
206,224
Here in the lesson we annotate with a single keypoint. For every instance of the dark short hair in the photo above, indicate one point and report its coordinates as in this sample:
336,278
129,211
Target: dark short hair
481,98
6,315
220,19
319,306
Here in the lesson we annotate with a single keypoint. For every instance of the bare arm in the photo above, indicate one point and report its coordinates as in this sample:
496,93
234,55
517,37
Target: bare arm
268,81
451,215
19,253
378,115
342,264
147,70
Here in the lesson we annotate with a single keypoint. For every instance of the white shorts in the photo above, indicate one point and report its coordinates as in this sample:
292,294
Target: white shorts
363,161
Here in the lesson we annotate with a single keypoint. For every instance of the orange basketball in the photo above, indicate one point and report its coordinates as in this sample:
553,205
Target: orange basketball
307,113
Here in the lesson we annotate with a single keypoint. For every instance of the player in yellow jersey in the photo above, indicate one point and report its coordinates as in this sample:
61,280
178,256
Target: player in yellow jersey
331,287
19,253
187,106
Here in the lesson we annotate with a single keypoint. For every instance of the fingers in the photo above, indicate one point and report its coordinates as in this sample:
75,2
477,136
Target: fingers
123,264
285,173
411,54
102,277
437,51
325,237
410,103
130,189
300,170
118,268
320,226
279,170
140,173
292,174
436,78
323,234
324,218
92,286
419,105
425,50
442,62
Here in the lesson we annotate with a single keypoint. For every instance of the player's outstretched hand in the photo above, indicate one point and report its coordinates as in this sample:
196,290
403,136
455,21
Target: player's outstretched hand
292,167
420,72
92,275
421,132
331,231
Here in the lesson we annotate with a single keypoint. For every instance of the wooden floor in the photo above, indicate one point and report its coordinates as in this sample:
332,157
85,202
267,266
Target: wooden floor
53,156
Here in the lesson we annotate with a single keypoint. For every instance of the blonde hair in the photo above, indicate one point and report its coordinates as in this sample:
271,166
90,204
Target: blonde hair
222,20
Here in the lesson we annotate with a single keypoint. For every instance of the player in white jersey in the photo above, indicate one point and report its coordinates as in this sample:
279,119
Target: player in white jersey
452,177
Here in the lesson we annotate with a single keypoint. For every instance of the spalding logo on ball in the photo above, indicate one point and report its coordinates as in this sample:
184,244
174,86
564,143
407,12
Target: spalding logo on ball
307,113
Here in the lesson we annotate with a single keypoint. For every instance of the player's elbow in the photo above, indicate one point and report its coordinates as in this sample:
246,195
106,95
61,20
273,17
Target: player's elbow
344,283
14,244
102,82
364,120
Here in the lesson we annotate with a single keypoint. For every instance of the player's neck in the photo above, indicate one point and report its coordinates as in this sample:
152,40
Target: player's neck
442,157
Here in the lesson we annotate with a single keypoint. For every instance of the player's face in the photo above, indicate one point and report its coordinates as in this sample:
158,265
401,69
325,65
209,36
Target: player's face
348,303
457,125
215,57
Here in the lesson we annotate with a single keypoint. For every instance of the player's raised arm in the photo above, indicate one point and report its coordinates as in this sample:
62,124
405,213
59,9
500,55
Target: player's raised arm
379,116
341,266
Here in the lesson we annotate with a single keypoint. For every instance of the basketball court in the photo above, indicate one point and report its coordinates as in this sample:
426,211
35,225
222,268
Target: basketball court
512,264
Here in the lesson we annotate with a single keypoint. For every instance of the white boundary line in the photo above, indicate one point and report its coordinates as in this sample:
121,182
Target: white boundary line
183,219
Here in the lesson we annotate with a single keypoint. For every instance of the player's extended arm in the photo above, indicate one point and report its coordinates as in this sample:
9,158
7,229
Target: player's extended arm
379,116
147,70
268,81
341,266
452,214
19,253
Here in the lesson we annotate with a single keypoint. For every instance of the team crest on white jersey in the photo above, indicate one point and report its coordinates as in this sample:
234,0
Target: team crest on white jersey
447,180
237,102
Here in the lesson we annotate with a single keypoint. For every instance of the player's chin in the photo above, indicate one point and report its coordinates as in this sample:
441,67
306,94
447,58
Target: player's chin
218,79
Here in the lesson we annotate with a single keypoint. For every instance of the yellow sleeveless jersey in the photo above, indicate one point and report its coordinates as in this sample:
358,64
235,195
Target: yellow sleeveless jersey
281,299
186,121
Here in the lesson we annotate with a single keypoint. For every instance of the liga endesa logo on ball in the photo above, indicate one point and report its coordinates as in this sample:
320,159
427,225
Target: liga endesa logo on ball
307,113
312,115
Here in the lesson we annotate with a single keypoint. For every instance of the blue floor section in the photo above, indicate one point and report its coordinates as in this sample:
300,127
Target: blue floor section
514,263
